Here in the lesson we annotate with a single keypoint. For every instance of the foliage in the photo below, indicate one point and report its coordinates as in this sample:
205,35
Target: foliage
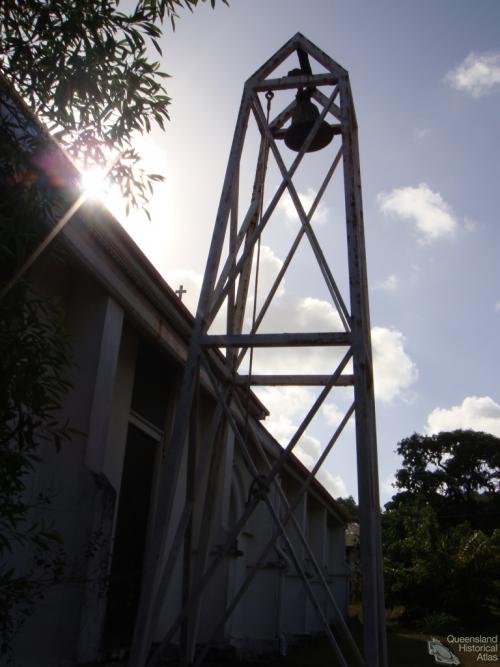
87,69
34,360
457,473
430,569
439,622
32,385
350,506
441,541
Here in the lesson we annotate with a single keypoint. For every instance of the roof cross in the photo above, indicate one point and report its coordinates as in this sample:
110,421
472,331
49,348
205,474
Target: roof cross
180,291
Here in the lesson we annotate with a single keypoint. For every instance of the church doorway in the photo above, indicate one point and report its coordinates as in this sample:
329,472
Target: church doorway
130,537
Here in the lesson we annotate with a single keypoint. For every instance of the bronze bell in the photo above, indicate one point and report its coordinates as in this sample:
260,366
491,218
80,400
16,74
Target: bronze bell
304,116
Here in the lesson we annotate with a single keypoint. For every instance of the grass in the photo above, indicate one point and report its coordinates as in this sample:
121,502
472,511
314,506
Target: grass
407,647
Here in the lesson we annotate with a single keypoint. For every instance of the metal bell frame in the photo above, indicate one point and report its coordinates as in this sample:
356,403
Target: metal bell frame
227,284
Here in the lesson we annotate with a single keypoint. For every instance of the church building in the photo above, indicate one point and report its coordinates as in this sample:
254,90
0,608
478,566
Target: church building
129,333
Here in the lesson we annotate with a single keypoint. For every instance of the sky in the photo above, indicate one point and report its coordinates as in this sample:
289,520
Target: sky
425,78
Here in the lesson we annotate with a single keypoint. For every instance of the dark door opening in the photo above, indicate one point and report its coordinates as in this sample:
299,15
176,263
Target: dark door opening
130,538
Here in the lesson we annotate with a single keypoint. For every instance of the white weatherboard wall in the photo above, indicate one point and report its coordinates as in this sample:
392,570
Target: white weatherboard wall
86,480
109,332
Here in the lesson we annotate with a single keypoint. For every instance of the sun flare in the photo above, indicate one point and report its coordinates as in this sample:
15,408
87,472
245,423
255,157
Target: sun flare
98,187
154,236
95,184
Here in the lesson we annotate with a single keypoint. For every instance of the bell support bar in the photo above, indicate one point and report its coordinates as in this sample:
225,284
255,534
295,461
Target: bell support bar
296,81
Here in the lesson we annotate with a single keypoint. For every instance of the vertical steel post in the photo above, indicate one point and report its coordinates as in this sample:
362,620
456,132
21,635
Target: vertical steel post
366,439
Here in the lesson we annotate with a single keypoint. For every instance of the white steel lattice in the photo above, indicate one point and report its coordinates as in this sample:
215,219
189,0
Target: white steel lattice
232,261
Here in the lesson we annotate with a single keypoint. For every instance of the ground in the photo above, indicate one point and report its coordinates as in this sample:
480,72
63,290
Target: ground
407,647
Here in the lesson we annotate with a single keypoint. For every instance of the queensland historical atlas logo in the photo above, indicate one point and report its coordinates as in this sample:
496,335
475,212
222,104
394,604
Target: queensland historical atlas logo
484,648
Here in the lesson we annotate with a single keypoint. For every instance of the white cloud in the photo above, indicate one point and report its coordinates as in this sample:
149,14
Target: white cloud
299,314
470,225
191,281
334,484
479,413
389,284
497,307
477,75
311,314
307,199
394,370
387,487
333,414
287,405
269,267
421,132
431,215
308,450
